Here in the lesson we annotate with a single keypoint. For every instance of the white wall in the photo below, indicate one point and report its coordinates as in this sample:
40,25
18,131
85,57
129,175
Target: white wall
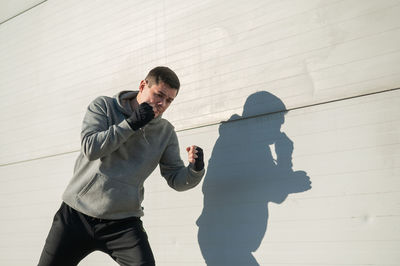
11,9
332,64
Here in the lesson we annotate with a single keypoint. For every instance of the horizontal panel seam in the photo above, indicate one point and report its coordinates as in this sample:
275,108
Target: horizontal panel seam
22,12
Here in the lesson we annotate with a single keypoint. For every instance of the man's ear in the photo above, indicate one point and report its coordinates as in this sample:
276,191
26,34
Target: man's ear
142,85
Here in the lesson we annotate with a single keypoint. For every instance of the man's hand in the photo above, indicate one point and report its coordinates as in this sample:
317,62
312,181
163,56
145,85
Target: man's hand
195,155
141,116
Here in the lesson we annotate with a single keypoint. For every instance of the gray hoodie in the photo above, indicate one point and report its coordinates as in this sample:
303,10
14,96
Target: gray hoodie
115,160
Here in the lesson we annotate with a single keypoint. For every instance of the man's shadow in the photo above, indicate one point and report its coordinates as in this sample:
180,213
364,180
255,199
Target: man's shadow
243,176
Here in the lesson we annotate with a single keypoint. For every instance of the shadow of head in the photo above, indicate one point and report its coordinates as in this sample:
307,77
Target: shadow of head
261,103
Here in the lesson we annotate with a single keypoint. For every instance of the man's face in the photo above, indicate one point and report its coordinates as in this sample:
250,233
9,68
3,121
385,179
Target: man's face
159,96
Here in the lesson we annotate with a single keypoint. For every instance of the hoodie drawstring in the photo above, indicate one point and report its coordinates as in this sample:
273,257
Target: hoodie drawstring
142,130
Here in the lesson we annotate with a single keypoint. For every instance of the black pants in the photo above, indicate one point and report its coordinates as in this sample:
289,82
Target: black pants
74,235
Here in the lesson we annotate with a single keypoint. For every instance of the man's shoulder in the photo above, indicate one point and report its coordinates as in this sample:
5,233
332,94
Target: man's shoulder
102,99
101,102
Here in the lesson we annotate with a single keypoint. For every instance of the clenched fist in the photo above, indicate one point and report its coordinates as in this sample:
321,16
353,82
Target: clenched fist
195,156
141,115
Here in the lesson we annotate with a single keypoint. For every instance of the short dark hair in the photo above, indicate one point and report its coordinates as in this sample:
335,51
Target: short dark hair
163,74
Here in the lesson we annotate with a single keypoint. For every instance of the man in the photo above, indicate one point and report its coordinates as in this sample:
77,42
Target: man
123,140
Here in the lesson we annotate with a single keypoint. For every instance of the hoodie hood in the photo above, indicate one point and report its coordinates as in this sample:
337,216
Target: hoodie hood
123,99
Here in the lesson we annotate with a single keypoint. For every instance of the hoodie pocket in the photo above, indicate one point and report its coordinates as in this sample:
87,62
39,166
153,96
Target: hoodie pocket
87,187
106,195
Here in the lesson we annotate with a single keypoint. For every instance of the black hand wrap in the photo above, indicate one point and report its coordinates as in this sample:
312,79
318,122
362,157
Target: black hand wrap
141,116
199,161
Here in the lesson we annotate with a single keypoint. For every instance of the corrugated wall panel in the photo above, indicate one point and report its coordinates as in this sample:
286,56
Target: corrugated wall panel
302,51
322,60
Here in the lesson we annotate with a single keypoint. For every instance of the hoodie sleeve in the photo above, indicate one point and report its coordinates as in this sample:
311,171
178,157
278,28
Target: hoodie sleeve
172,168
98,138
